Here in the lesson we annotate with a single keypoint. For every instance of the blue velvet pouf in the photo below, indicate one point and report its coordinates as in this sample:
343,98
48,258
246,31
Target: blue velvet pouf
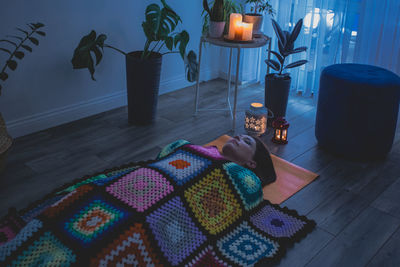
357,110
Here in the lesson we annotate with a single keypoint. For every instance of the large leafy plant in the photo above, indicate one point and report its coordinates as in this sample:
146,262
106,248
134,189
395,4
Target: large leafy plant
286,48
160,29
19,44
260,7
229,7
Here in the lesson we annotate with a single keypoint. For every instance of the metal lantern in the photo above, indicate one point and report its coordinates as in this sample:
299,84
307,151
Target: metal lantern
256,119
280,126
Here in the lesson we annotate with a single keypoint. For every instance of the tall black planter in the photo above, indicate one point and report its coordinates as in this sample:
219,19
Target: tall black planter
143,82
277,94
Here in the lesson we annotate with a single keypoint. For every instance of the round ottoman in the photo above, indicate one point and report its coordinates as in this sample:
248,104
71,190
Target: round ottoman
357,110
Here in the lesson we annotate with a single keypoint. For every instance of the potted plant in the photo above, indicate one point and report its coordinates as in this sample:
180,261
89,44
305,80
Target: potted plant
230,6
277,85
216,17
143,68
17,45
258,8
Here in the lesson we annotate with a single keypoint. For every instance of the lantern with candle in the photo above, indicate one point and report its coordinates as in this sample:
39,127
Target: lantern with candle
256,119
238,30
280,126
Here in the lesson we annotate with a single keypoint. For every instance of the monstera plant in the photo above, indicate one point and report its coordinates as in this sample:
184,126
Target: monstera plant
277,85
15,46
143,68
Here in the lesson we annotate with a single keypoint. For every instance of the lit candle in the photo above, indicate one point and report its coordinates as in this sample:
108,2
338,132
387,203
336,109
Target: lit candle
284,134
233,20
247,31
278,134
239,31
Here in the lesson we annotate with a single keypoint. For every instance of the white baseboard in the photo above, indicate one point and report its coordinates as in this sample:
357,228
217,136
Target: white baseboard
41,121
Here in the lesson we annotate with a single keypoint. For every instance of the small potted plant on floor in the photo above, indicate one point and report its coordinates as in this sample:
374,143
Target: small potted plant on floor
257,10
277,85
230,6
216,18
16,48
143,68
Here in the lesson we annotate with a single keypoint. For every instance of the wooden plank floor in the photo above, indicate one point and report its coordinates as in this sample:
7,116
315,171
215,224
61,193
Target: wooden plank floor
356,204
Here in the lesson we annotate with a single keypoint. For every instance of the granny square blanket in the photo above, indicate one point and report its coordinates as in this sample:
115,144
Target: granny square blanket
189,207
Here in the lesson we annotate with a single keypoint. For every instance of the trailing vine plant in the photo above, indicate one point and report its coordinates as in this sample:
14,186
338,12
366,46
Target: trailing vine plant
18,45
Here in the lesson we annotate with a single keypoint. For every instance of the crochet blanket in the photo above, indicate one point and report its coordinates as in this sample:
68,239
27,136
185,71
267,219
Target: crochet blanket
189,207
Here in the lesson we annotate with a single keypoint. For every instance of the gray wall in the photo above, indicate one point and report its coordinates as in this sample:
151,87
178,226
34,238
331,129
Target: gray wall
45,91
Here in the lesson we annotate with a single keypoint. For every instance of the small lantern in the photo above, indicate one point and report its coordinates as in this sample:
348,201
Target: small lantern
256,119
280,126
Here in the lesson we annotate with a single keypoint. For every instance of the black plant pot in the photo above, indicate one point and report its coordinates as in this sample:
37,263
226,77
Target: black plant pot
143,82
277,94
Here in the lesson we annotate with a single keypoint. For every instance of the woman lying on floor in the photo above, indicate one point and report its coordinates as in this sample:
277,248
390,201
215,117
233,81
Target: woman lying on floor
244,150
190,199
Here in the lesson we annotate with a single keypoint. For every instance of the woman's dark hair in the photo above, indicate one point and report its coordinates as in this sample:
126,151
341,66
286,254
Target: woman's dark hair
265,168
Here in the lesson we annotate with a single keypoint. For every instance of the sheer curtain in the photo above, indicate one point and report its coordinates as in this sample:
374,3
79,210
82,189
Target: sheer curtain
340,31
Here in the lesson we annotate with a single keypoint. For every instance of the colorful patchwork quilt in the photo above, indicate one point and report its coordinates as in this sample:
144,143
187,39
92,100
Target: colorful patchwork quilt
189,207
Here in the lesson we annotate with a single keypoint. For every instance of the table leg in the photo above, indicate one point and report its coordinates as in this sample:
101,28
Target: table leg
196,101
236,89
269,54
229,82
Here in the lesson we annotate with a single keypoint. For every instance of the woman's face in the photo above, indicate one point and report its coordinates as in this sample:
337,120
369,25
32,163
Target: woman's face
240,149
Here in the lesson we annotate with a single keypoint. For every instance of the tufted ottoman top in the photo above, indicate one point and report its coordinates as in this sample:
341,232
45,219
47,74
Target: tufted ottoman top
363,74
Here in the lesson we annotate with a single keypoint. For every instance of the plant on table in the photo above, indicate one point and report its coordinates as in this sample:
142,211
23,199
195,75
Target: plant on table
230,6
257,10
259,7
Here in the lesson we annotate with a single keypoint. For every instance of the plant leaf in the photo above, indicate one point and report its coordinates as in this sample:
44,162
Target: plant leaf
273,64
298,50
34,40
5,50
21,30
191,66
183,39
289,45
100,40
82,57
19,54
17,37
169,43
152,22
281,49
279,33
28,48
278,56
98,54
10,42
12,64
3,76
296,31
295,64
31,26
41,33
38,25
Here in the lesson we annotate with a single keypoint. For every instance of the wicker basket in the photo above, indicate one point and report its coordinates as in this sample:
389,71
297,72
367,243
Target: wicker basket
5,143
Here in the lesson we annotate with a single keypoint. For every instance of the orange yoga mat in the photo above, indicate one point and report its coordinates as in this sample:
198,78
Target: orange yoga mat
290,177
